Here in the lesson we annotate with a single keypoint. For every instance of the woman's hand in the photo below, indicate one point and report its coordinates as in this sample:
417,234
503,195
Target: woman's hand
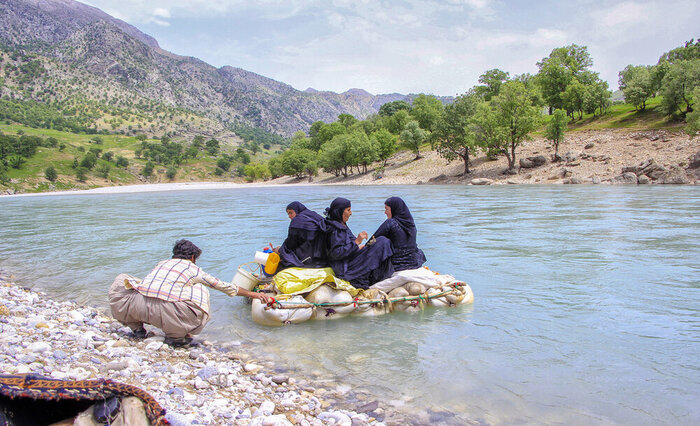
264,298
361,237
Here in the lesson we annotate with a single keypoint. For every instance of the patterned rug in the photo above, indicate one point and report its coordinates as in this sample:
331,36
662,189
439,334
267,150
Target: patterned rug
47,400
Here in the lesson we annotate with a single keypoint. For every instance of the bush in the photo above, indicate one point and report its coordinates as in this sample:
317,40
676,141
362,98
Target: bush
122,161
107,156
89,161
147,169
51,174
223,164
171,172
81,174
219,171
103,170
16,161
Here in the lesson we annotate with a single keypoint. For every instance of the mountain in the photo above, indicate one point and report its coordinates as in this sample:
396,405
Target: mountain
96,67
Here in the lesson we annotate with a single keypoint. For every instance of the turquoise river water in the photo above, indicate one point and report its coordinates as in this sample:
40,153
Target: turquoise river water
587,298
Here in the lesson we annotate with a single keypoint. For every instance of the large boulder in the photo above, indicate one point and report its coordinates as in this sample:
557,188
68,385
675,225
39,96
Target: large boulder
538,160
694,161
627,178
526,163
675,176
481,181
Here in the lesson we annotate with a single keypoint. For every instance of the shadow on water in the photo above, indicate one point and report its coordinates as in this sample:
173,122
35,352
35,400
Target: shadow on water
587,305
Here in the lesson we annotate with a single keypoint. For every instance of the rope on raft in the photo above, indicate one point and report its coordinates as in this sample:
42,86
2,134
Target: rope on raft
385,299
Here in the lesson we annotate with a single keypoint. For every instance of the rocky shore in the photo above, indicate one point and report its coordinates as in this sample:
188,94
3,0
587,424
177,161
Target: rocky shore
205,384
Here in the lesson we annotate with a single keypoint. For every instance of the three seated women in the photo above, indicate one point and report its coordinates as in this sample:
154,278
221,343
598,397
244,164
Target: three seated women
313,242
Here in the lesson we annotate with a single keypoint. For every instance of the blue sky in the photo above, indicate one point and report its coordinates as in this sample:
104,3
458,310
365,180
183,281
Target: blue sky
409,46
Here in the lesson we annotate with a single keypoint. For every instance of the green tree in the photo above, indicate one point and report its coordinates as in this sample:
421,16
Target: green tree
390,108
558,70
89,161
573,98
597,97
426,110
386,144
363,151
556,128
335,155
256,171
223,164
637,85
147,169
328,132
81,174
212,146
103,170
454,136
491,81
171,172
300,141
299,162
397,122
51,174
347,120
678,85
516,116
16,161
693,117
413,136
122,161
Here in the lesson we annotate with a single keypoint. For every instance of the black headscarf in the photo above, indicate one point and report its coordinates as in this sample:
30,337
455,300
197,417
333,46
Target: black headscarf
335,211
400,213
305,218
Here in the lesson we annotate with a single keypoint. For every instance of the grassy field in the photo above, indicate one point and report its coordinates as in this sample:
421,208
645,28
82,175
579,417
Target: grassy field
30,177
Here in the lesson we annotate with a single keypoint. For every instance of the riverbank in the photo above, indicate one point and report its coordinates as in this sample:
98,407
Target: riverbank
206,384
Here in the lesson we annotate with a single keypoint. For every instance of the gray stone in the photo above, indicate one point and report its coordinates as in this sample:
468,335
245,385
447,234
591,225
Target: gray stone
279,379
539,160
643,180
589,145
694,161
526,163
481,181
207,372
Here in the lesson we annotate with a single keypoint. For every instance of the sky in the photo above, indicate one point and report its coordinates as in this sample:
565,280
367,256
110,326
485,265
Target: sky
408,46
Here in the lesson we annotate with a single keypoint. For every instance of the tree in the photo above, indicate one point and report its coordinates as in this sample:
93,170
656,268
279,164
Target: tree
212,146
16,161
147,169
51,174
678,85
556,129
492,81
396,123
89,161
335,155
103,170
693,117
171,172
107,156
386,144
453,136
363,151
597,97
413,136
223,164
390,108
426,110
256,171
558,69
573,98
298,162
81,174
516,116
122,161
347,120
328,132
637,85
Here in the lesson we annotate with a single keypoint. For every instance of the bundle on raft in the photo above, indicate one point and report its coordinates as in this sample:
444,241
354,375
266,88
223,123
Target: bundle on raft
302,294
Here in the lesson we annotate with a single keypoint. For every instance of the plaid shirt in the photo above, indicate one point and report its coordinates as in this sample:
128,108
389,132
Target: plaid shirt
179,279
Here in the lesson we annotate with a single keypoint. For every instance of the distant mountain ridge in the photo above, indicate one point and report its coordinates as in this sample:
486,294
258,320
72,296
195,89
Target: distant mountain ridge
136,70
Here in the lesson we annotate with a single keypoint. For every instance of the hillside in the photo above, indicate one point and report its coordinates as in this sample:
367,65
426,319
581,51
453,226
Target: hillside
108,75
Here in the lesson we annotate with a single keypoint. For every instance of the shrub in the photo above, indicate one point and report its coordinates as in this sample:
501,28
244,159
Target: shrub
147,169
122,161
51,174
103,170
81,174
171,172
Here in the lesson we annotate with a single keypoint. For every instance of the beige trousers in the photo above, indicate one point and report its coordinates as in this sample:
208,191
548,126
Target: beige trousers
133,309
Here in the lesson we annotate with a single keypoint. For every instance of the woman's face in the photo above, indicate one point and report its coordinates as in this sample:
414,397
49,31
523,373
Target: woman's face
291,213
346,214
387,211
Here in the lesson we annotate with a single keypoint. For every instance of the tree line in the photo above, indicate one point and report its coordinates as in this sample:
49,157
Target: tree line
494,117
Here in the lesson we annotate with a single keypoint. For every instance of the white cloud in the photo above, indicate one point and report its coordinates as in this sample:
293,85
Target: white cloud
161,12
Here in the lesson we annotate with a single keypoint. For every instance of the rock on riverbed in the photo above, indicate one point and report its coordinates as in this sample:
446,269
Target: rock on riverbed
208,384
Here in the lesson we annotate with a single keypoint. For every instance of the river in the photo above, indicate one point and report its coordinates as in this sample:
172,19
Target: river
587,298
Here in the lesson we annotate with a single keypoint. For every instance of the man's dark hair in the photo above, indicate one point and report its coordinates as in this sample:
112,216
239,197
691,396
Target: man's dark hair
185,249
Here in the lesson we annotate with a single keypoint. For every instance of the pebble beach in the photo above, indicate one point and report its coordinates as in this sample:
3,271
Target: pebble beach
204,384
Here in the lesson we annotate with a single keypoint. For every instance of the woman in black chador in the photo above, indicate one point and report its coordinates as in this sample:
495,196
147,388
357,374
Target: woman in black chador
305,246
400,229
361,265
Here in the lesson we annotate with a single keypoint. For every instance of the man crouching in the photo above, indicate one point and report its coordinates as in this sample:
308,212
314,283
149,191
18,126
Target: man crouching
172,297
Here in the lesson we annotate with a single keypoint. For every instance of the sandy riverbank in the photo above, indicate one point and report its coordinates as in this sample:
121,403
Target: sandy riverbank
207,384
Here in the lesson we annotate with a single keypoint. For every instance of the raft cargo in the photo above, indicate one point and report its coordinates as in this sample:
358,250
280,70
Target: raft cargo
302,294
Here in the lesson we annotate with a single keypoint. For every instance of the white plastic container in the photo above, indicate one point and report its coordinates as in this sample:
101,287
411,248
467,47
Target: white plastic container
245,279
261,257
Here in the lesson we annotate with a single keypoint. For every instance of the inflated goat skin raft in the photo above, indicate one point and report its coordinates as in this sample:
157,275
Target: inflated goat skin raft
302,294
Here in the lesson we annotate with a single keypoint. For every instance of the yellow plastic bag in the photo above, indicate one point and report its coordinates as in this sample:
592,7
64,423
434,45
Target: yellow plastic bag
304,280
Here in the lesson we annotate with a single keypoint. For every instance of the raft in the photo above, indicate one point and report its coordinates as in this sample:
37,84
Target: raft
303,294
